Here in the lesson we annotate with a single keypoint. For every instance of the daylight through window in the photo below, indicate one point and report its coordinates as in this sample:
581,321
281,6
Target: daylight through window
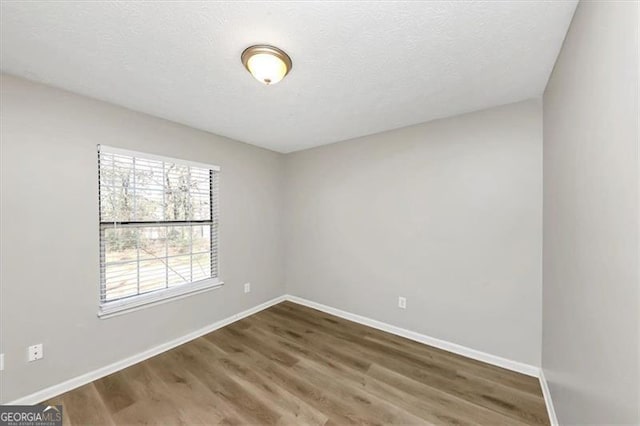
158,226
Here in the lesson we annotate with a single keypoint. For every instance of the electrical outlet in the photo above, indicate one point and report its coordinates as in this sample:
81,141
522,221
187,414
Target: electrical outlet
402,302
35,352
247,287
1,362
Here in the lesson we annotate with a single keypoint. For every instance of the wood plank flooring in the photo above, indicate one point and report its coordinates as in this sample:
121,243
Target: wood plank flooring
290,364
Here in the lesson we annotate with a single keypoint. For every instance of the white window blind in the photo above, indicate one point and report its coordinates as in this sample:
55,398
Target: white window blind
158,228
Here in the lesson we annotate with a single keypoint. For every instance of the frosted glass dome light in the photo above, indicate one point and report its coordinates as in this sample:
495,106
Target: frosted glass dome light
267,64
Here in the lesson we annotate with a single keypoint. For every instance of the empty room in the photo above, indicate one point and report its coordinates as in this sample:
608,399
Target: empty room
319,212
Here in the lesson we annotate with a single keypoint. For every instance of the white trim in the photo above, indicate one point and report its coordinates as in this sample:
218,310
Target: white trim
89,377
529,370
141,301
548,402
68,385
147,156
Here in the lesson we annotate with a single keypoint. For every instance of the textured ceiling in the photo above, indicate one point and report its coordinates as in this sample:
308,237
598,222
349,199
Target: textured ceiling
358,67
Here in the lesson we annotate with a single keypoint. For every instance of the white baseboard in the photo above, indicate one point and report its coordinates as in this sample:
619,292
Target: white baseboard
547,399
89,377
83,379
519,367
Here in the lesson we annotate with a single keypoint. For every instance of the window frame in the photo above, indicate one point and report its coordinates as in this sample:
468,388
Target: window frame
139,301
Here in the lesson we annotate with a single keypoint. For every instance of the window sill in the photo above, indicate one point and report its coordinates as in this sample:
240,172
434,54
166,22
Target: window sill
134,303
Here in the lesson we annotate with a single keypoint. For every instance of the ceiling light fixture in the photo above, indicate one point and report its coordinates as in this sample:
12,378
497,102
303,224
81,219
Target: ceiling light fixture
267,64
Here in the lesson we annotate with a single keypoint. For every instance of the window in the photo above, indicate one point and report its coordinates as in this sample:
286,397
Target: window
158,228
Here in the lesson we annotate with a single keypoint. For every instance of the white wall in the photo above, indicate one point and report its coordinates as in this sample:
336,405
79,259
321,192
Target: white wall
49,233
447,214
591,314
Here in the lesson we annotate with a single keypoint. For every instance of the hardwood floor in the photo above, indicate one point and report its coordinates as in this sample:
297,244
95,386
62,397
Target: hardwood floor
291,364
